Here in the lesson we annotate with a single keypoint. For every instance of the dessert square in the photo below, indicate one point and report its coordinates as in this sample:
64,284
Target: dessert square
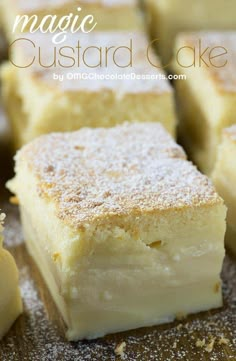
114,218
224,177
102,90
207,98
109,15
10,299
167,18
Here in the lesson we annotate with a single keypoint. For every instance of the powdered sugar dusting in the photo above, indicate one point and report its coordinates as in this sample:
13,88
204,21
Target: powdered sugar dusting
100,172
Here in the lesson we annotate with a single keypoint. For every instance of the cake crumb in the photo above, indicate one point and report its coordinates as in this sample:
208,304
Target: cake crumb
14,200
200,343
209,347
223,341
180,325
120,350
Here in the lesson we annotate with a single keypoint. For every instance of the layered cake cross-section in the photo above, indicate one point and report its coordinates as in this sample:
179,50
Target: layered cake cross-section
126,232
224,177
167,18
108,15
207,98
103,79
10,299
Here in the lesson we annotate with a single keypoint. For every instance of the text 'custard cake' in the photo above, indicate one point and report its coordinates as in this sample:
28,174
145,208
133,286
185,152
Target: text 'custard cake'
10,299
103,90
114,218
224,177
167,18
207,98
108,15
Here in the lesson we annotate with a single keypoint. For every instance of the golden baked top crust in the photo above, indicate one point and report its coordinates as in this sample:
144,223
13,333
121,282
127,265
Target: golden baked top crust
113,74
224,77
230,133
95,174
30,6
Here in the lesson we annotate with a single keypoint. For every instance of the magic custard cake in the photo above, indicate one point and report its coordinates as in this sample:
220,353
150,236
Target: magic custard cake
114,218
10,299
109,15
207,98
167,18
224,177
124,88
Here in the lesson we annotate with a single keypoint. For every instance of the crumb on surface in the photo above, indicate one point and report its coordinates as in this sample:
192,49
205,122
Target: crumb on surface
120,350
180,325
209,347
223,341
200,343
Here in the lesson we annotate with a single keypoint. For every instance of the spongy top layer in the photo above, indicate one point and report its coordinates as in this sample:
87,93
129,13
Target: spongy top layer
93,174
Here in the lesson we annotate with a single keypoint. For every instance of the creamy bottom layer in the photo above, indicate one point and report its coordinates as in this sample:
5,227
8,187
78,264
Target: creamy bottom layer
109,300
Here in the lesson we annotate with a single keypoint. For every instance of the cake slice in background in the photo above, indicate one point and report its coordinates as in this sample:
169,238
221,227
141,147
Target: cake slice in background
126,232
224,177
167,18
207,98
119,86
10,299
109,15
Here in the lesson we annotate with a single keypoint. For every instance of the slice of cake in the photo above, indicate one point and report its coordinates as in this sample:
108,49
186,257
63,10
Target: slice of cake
224,177
114,218
109,15
10,299
207,98
166,18
109,81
